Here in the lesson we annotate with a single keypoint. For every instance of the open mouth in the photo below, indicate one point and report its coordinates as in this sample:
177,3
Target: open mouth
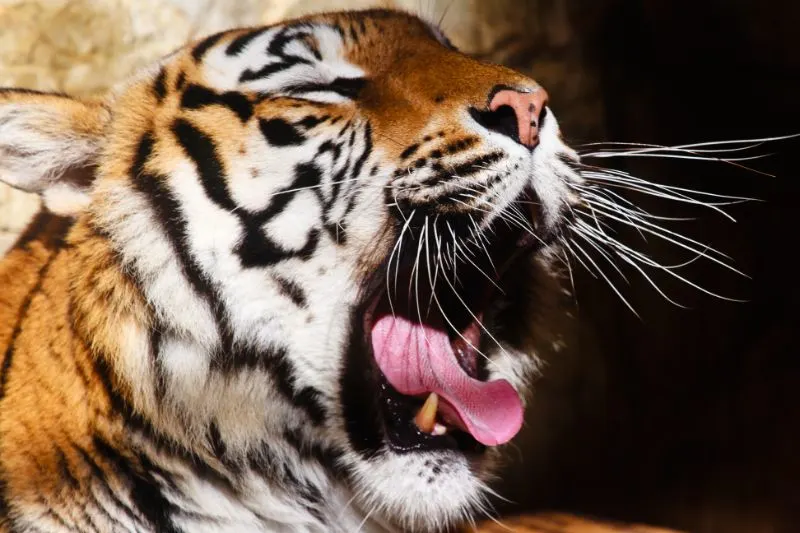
428,329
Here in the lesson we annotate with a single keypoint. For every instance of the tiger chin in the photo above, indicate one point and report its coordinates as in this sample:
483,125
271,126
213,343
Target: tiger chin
283,282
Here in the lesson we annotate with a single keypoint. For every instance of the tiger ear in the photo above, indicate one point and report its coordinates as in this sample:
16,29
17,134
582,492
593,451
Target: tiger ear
49,144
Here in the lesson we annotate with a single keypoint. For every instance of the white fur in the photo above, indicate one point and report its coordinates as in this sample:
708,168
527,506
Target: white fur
247,406
38,149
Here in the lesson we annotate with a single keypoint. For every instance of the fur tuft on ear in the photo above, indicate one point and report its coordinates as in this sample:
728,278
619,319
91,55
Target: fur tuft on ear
49,144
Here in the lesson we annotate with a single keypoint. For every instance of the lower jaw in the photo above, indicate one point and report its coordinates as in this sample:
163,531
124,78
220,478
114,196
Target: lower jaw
403,435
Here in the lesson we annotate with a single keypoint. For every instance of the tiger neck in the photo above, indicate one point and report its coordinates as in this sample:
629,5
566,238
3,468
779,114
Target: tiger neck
112,313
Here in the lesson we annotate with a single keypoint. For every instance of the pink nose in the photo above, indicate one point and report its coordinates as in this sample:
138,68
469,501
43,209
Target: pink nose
527,107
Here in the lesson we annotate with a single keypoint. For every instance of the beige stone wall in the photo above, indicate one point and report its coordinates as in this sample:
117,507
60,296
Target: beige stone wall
83,47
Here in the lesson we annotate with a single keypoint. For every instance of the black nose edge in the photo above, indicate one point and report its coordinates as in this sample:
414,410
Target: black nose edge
503,120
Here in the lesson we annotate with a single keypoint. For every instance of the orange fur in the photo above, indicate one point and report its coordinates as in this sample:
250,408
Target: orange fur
66,301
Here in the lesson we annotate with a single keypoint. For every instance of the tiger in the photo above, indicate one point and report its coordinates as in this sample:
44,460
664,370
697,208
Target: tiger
282,281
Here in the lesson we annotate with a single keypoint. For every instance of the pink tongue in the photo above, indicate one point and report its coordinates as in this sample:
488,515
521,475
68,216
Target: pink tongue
418,359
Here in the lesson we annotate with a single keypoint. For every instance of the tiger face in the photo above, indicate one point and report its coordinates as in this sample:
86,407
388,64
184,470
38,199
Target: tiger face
333,225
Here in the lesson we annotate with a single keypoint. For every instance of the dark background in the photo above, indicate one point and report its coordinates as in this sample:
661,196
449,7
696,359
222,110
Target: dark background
685,418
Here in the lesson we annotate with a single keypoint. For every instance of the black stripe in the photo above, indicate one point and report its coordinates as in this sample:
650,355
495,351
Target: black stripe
64,469
100,479
137,424
203,152
156,333
306,252
278,132
21,316
160,85
54,516
145,490
278,44
168,211
47,229
119,404
334,148
359,405
200,50
276,363
197,97
239,44
291,290
353,34
180,81
467,168
364,155
306,175
339,177
218,447
347,87
338,230
329,457
255,249
310,121
460,145
308,399
408,152
265,71
276,49
263,461
5,511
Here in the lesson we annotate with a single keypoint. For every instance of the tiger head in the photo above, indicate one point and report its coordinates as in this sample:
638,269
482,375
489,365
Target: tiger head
334,223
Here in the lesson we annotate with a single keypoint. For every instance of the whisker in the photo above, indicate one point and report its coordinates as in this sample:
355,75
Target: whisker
656,231
623,256
654,148
612,175
591,193
580,224
633,254
580,261
710,143
600,271
676,197
571,277
603,254
640,153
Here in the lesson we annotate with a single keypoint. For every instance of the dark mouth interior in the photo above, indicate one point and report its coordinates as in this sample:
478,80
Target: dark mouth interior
467,295
398,413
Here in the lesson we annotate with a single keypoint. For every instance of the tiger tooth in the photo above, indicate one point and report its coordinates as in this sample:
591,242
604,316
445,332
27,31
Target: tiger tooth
426,417
439,430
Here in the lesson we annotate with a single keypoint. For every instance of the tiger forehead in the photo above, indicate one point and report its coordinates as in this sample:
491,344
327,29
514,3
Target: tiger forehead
414,84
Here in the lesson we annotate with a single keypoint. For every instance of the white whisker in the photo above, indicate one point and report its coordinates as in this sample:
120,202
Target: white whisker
600,271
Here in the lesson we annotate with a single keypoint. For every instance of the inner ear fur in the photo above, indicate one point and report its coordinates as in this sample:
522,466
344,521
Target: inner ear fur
49,144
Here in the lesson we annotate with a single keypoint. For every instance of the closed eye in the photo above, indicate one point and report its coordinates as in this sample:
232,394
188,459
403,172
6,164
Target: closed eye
346,87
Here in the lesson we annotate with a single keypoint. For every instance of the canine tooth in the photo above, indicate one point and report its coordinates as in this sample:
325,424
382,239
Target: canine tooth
426,417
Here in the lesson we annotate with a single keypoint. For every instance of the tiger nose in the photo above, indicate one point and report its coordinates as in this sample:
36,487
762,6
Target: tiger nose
528,108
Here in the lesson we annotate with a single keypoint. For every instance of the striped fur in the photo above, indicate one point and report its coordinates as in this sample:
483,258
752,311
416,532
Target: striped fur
178,330
563,523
